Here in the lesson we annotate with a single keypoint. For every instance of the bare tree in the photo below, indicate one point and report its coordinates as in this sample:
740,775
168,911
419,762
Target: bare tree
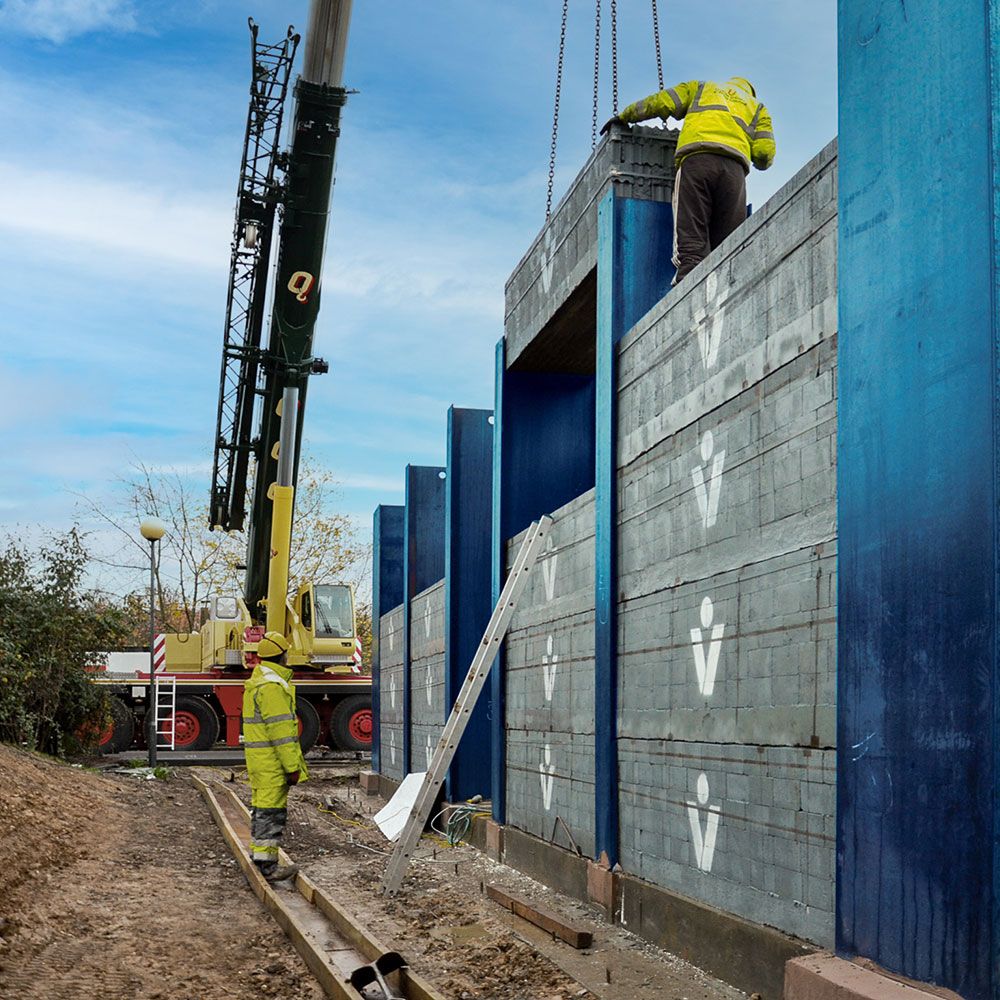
195,562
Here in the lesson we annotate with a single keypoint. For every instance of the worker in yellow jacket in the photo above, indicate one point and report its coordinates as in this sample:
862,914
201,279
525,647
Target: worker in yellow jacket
726,129
273,754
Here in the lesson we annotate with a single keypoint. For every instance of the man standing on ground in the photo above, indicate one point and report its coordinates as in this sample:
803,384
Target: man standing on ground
725,130
274,757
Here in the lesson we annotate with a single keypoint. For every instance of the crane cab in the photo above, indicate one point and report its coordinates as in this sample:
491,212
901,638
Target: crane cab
323,627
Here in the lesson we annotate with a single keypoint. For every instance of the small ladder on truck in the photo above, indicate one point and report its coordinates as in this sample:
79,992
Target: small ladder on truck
489,647
164,711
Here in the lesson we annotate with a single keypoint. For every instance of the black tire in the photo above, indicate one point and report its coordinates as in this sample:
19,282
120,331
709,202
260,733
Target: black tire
122,728
350,720
197,724
308,723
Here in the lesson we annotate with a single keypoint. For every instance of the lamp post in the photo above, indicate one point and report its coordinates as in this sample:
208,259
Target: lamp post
152,529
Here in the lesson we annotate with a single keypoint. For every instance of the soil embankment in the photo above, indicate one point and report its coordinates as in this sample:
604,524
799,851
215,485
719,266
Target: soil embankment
115,887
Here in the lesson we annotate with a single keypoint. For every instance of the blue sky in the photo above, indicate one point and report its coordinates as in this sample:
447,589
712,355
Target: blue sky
122,124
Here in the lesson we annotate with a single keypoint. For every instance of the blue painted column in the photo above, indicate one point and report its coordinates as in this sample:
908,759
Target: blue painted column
634,245
387,593
423,561
917,872
468,588
498,564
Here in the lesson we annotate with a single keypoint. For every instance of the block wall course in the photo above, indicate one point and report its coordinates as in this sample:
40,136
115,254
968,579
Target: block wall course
727,572
427,708
391,693
550,683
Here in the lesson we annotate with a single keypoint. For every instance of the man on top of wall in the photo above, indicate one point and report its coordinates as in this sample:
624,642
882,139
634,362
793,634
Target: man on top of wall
725,130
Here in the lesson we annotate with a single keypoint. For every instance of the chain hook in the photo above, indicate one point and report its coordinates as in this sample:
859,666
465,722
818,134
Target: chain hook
555,112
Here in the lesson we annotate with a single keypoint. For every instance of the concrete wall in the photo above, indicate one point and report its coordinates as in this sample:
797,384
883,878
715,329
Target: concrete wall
426,674
639,162
727,571
391,693
550,684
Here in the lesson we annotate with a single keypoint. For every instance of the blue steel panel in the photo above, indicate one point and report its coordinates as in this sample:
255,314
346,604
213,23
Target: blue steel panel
547,442
423,560
498,758
634,271
387,593
917,496
468,586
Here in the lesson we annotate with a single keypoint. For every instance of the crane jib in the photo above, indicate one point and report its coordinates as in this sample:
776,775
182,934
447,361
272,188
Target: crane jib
288,360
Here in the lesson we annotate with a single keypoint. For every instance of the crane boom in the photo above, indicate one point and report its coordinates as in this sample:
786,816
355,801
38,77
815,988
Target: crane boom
254,379
319,97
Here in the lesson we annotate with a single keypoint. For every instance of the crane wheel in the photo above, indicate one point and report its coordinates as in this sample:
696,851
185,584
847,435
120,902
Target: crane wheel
308,723
118,736
195,724
351,723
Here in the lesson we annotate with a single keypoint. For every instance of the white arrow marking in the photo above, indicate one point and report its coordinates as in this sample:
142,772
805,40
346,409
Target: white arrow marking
703,842
429,682
708,496
428,751
710,321
427,621
392,747
549,569
706,666
546,770
550,662
392,691
547,260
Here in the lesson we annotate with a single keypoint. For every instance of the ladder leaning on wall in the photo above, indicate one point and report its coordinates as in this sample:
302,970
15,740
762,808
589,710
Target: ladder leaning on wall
461,712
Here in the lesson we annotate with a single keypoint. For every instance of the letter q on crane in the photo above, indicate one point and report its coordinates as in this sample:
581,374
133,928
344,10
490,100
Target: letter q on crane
300,285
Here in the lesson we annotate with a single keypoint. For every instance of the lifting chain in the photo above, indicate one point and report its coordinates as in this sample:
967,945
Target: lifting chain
656,40
614,57
555,113
597,72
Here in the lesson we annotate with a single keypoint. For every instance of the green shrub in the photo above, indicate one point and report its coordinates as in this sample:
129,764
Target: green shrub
50,628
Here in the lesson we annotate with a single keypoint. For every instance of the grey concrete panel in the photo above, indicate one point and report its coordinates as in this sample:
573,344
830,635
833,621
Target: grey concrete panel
727,572
391,691
550,683
748,829
427,706
639,163
763,669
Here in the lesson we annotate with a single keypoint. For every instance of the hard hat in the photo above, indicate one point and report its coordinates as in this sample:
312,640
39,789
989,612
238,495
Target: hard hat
272,646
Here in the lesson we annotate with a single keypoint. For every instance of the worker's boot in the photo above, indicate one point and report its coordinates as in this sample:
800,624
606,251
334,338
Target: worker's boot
280,873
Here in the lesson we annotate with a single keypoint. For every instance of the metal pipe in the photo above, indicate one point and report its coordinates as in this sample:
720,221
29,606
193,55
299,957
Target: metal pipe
326,42
151,704
286,435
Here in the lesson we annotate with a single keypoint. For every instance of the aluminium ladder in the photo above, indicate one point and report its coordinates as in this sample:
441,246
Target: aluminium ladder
489,647
165,711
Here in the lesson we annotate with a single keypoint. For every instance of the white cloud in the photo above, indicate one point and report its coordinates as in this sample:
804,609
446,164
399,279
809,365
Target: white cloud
59,20
124,218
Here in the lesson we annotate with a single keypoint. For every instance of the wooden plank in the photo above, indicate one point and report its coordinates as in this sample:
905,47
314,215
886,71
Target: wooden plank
555,923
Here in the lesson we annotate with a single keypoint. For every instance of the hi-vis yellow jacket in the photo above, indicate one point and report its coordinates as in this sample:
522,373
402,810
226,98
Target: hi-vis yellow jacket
718,118
271,734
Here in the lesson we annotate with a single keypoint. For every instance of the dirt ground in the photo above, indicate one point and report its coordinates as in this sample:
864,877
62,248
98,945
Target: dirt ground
119,888
450,932
122,888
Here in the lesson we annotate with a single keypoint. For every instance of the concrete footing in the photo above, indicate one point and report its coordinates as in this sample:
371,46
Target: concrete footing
369,782
826,977
601,885
494,840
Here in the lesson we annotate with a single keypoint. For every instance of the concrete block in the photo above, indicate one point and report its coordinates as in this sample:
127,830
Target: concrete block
826,977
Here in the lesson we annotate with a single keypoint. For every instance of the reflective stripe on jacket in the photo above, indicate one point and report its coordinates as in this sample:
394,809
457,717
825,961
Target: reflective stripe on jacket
718,118
271,734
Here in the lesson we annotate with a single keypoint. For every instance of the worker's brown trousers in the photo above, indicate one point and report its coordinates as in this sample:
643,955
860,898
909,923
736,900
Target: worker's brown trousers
710,201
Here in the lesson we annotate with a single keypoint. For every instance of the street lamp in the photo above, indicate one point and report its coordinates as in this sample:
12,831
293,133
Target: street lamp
152,529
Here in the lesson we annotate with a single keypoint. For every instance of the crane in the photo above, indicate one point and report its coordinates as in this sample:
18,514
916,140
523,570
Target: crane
282,212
